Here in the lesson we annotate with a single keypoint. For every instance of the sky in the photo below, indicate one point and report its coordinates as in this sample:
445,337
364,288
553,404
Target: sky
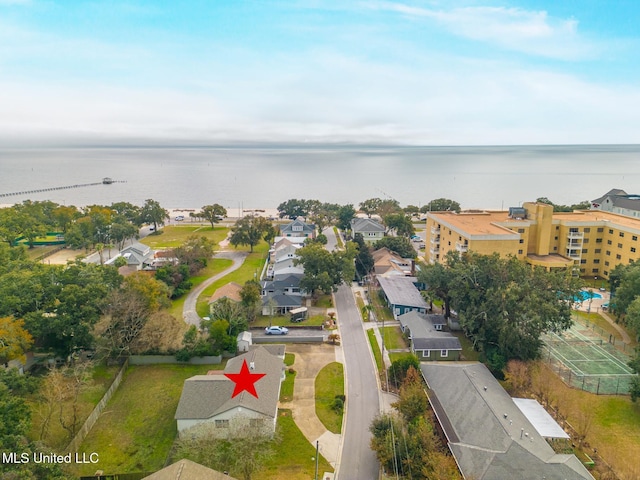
218,72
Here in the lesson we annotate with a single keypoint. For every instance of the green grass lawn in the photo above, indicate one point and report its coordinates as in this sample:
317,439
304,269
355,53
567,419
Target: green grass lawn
393,338
90,395
172,236
338,238
252,265
604,328
294,456
214,267
382,311
393,356
377,354
323,301
286,390
329,383
468,352
136,430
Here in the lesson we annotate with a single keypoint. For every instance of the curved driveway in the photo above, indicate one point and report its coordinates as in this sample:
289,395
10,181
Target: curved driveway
189,313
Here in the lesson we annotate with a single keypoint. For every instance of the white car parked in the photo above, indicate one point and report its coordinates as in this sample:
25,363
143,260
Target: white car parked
276,330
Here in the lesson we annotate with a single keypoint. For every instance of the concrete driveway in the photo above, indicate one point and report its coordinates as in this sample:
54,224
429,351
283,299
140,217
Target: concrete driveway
309,360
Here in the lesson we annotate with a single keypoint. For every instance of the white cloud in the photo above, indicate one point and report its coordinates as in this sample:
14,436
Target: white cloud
532,32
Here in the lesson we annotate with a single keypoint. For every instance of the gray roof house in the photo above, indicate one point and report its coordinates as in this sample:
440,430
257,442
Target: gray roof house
298,228
488,435
428,341
207,400
137,255
289,285
278,303
402,295
371,230
618,201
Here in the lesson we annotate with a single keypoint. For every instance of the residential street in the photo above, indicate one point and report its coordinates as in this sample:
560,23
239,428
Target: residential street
357,459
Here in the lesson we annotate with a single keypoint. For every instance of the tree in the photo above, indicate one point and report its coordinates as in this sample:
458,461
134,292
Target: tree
364,259
128,310
203,445
441,205
213,213
129,211
64,216
399,368
324,270
388,207
295,208
400,223
152,212
370,206
400,245
634,387
249,230
231,312
121,230
412,402
345,214
195,253
14,339
583,205
251,299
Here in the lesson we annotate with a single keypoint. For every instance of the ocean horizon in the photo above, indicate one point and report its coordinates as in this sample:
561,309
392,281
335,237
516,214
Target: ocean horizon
258,176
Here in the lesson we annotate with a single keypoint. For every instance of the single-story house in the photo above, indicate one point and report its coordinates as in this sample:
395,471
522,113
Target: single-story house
371,230
187,470
490,437
401,295
387,264
207,400
298,228
428,340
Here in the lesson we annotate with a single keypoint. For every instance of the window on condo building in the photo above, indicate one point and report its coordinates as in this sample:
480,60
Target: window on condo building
600,230
618,257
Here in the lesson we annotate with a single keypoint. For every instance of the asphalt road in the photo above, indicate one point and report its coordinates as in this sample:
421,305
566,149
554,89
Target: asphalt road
357,460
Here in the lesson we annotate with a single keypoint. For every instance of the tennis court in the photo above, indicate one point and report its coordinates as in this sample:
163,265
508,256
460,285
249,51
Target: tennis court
587,362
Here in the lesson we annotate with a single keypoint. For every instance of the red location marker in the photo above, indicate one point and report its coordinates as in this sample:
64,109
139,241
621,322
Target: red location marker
245,380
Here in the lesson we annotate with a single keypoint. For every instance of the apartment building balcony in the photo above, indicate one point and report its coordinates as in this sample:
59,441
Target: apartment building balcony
434,251
435,239
462,247
572,235
435,230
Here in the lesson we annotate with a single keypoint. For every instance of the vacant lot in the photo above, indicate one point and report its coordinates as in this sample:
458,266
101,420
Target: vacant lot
136,430
329,384
172,236
393,338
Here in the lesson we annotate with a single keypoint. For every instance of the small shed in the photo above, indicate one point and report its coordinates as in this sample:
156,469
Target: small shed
244,341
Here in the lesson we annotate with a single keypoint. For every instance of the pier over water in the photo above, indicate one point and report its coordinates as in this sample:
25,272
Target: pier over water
105,181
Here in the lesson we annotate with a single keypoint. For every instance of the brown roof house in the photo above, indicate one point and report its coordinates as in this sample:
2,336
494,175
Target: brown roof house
230,290
388,264
224,401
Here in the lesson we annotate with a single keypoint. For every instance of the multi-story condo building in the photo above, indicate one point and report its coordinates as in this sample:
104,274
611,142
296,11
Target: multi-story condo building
592,242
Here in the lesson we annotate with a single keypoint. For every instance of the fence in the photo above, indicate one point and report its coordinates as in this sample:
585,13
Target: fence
599,384
170,359
93,417
619,344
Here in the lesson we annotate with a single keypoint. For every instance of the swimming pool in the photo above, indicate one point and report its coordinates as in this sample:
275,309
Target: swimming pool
586,295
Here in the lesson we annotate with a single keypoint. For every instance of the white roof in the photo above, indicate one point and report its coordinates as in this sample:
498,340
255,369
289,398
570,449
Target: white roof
544,423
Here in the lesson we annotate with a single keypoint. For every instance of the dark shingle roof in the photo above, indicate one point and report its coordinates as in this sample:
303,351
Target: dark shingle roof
204,396
489,436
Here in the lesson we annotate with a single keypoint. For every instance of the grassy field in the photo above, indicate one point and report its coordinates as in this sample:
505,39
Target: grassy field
377,354
323,301
214,267
136,430
468,352
172,236
393,338
599,321
329,383
612,423
393,356
90,395
294,456
382,311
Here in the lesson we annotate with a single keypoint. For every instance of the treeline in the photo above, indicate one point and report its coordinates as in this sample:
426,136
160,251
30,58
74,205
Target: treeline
87,227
